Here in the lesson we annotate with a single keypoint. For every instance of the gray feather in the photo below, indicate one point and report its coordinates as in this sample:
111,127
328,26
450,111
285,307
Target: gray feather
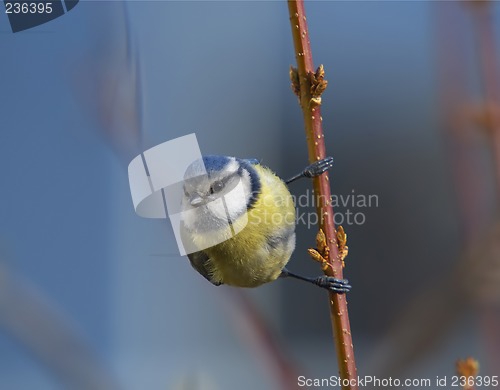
283,239
199,261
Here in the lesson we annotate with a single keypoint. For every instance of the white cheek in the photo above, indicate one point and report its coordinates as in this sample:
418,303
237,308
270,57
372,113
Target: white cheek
216,213
211,216
217,209
236,200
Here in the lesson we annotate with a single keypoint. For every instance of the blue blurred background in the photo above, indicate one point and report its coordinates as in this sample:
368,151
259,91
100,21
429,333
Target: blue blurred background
94,297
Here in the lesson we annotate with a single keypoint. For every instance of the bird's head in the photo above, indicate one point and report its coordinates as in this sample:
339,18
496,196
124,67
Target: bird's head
217,190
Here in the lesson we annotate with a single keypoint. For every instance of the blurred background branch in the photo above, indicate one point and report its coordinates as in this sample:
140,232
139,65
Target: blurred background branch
471,289
45,331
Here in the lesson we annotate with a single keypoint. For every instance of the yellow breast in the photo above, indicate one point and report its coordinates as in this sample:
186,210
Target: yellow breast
247,259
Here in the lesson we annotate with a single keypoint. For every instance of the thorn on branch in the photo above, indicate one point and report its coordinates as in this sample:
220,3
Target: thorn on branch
294,78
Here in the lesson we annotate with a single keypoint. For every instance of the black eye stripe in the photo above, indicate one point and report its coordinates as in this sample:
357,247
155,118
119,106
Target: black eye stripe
220,184
226,179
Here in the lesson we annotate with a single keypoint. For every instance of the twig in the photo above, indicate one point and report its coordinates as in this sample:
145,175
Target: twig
309,85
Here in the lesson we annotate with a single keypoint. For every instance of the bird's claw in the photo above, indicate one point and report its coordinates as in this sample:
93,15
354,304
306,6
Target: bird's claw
318,167
340,286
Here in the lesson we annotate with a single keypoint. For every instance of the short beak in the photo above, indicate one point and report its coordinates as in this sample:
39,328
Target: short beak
196,200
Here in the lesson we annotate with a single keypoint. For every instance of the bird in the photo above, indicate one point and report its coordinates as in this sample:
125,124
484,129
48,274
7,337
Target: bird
238,222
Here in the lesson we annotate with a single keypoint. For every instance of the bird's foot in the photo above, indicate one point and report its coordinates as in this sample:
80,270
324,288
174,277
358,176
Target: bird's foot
317,168
339,286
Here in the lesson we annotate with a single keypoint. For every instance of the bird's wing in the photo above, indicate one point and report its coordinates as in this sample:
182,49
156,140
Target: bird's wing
199,261
282,240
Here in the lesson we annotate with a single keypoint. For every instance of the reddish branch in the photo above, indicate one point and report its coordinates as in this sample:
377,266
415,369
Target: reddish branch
308,84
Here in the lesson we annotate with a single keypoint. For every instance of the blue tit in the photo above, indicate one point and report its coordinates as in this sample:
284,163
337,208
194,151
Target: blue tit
239,222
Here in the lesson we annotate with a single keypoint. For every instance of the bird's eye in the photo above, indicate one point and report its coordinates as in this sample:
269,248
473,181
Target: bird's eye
216,187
